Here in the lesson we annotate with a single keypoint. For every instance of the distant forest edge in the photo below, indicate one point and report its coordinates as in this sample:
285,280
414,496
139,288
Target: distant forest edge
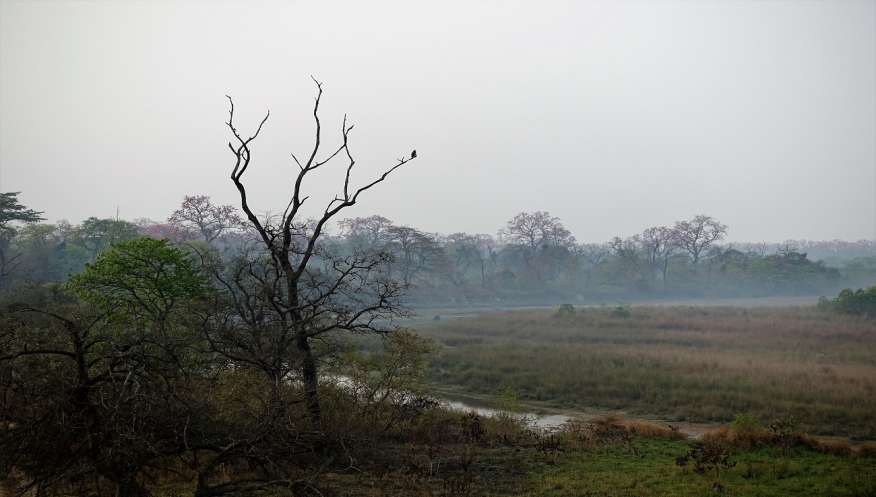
534,258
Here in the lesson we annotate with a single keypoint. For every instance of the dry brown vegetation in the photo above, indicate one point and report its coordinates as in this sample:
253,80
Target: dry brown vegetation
430,451
425,451
681,363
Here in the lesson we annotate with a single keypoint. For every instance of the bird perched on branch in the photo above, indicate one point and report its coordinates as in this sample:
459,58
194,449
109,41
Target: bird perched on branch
413,154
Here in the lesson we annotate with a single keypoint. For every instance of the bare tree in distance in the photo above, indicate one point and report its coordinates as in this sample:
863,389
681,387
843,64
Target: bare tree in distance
343,294
371,230
627,251
414,251
660,244
697,235
593,255
478,250
198,214
488,248
536,229
534,233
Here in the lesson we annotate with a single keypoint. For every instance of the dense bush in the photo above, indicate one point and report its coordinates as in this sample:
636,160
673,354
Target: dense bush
120,375
860,302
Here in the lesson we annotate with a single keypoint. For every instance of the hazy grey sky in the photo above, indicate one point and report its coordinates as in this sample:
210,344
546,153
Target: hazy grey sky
612,115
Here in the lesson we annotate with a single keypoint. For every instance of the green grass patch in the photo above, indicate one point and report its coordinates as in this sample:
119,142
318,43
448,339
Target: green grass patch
619,472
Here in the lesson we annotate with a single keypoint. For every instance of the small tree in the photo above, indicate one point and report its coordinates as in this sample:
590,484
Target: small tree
141,280
706,457
861,302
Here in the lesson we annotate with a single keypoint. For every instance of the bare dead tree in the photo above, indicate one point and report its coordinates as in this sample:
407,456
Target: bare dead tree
312,292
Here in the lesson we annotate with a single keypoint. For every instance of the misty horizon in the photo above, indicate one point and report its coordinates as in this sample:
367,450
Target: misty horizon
611,116
389,248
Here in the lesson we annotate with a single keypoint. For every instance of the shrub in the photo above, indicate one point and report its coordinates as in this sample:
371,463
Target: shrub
824,304
745,422
786,431
566,311
706,457
861,302
746,437
650,429
836,447
621,311
867,449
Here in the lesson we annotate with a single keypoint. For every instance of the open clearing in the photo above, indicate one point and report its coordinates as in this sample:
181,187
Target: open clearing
679,363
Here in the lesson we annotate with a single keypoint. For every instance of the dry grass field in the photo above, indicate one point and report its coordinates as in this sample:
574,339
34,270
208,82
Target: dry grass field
679,363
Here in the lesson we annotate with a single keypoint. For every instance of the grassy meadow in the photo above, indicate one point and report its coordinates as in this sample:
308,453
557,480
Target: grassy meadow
678,363
615,471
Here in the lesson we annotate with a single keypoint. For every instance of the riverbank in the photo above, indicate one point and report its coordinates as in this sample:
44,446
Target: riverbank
543,417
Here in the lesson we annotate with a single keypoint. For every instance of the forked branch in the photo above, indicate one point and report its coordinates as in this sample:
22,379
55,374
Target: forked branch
347,198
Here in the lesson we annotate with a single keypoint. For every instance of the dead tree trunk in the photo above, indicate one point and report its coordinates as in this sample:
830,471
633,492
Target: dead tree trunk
341,298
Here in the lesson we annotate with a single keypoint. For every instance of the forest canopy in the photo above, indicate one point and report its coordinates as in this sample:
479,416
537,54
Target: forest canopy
533,258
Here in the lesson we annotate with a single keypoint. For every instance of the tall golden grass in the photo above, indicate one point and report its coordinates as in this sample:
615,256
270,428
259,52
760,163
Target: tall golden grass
682,363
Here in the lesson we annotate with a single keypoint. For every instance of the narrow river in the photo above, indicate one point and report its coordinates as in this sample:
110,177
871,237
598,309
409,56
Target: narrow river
541,421
551,419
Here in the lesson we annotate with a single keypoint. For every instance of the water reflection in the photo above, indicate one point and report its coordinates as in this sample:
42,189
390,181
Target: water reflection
542,421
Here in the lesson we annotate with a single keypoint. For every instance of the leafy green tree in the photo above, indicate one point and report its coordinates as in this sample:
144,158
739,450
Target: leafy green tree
143,278
383,382
100,387
96,235
791,271
861,301
45,255
11,212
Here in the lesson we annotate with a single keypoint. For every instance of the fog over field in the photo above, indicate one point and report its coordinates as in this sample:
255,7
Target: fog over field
613,116
567,248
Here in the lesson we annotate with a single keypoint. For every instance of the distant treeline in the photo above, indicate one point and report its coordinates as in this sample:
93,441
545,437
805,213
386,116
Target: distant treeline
533,258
